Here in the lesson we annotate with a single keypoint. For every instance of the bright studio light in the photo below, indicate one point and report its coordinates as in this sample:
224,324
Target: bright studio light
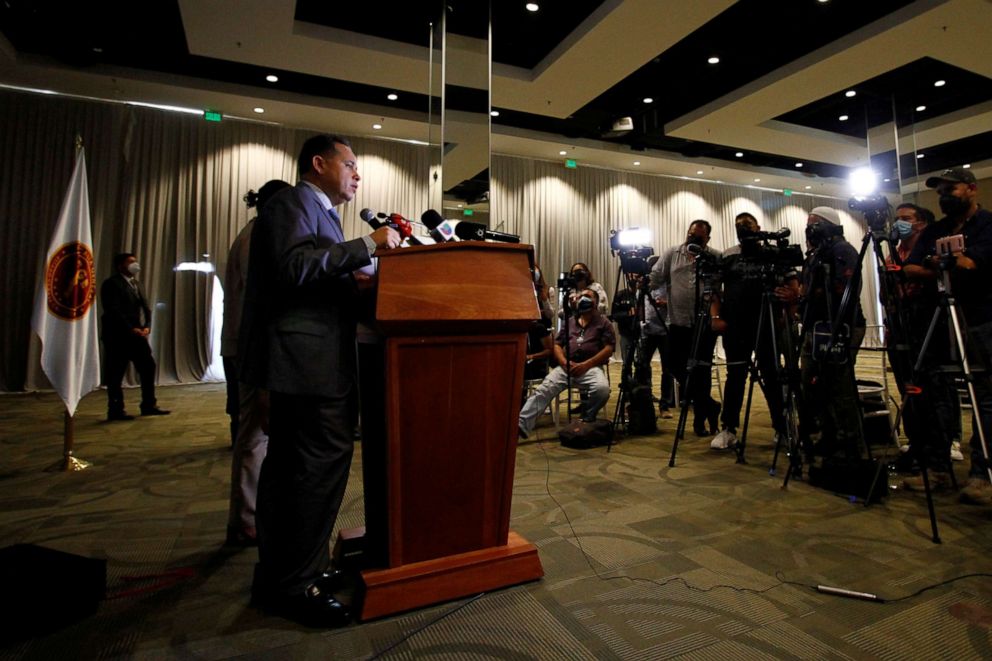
634,236
863,182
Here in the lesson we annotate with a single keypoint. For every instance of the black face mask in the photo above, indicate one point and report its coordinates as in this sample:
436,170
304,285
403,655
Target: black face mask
580,276
696,240
585,304
952,205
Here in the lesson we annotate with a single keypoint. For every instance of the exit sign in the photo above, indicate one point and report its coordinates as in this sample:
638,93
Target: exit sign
787,192
570,163
211,115
468,212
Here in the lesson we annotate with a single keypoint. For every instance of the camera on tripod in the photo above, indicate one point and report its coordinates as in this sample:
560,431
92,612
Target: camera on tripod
765,254
875,208
631,246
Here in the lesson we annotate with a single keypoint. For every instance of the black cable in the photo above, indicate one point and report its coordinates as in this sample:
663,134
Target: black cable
437,619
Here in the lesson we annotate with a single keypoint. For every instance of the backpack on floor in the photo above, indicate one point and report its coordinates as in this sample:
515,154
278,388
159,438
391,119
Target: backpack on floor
580,435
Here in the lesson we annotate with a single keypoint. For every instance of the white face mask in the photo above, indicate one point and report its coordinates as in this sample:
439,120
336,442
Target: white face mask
134,268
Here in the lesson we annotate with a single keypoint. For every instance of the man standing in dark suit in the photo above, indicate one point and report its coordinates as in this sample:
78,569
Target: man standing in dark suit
127,322
297,341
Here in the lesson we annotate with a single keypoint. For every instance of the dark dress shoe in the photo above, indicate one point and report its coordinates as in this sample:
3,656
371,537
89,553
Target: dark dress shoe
332,580
313,608
155,411
119,415
699,427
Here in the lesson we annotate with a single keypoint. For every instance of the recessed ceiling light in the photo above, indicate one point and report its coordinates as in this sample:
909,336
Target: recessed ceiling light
757,180
376,127
259,110
920,155
699,171
648,99
823,2
886,180
799,164
392,96
966,165
739,154
808,187
843,118
97,49
637,162
920,108
459,206
850,93
714,60
494,113
532,6
562,152
940,83
272,78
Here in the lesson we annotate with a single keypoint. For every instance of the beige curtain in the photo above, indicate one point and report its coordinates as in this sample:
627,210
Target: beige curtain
165,186
568,214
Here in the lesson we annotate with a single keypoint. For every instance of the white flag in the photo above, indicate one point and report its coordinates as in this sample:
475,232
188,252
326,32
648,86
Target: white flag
65,304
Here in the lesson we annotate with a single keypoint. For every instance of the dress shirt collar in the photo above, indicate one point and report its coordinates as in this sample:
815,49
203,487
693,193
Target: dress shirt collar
321,195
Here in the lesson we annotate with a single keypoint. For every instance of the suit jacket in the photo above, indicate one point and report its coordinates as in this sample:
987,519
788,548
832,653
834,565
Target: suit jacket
298,321
122,307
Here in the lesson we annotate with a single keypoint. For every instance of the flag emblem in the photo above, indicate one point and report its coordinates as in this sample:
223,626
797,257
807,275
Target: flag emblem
69,281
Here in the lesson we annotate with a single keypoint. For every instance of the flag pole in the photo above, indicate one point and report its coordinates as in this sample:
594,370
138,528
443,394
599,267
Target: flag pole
68,463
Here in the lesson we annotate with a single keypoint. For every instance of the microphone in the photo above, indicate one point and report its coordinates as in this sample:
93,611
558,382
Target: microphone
394,220
432,220
444,231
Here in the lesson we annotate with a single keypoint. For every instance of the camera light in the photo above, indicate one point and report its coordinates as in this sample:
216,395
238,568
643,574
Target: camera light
634,236
863,182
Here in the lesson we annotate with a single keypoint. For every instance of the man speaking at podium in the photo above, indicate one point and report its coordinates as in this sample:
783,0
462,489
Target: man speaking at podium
298,342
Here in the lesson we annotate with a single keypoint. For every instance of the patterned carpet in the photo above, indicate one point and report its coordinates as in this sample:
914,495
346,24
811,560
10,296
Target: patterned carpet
707,560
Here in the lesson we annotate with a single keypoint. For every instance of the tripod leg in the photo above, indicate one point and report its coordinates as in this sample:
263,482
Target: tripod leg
688,399
742,441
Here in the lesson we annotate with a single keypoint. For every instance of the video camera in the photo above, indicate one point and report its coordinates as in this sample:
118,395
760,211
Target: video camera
765,254
876,210
630,245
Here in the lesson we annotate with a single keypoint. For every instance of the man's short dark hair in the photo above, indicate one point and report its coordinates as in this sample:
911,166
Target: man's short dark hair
120,258
745,214
317,145
704,223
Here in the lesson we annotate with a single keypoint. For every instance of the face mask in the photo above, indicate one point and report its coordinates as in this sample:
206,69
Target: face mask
134,268
952,205
902,229
695,240
584,305
580,276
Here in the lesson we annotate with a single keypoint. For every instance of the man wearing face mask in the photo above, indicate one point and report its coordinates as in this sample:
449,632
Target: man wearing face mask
590,340
970,272
676,272
829,407
127,322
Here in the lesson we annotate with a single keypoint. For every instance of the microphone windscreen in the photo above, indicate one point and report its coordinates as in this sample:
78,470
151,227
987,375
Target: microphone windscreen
470,231
367,215
431,219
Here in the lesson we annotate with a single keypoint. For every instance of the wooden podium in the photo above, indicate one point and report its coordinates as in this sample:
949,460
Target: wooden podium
455,318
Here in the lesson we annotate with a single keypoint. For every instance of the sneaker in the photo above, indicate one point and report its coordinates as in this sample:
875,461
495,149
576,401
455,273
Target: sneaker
939,481
724,440
956,451
978,491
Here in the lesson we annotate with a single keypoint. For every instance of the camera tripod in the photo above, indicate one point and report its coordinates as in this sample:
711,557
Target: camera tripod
626,373
786,368
700,327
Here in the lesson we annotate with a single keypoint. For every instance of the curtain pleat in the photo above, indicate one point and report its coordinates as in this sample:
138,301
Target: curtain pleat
169,188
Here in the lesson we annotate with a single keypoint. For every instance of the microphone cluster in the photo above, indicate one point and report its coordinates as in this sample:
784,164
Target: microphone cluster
441,230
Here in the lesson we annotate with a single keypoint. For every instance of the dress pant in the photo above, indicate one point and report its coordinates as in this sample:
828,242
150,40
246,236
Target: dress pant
642,365
302,484
117,353
374,447
247,456
680,348
738,344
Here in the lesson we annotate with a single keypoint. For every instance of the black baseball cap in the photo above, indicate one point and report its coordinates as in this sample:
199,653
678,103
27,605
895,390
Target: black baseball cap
953,176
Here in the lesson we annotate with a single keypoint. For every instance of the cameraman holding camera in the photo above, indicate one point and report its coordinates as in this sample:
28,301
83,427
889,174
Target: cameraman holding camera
736,314
829,403
970,267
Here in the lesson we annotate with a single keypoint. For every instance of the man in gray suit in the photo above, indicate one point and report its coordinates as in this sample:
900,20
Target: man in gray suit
297,341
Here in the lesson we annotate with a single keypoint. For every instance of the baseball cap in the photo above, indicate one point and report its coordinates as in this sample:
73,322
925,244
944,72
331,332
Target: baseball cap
953,176
827,214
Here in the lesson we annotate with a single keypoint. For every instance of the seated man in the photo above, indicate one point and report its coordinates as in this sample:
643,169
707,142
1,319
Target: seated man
590,344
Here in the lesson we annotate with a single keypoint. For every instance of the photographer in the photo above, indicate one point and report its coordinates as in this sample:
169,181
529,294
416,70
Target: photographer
590,342
829,404
687,301
746,270
969,268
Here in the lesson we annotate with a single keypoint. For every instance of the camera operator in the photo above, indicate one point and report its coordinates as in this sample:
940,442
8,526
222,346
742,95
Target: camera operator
676,271
829,403
590,343
736,315
970,269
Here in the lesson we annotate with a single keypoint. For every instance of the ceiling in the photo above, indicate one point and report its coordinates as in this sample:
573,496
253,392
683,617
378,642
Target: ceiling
563,75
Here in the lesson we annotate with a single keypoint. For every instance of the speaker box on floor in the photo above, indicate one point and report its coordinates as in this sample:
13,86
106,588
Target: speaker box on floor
45,589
